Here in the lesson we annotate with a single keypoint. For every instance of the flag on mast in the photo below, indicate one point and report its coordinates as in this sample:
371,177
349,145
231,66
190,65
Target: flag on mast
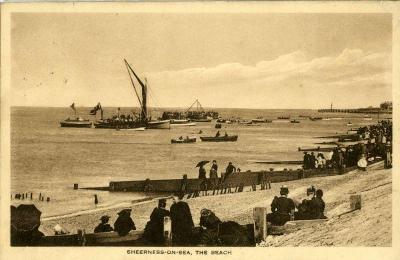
94,110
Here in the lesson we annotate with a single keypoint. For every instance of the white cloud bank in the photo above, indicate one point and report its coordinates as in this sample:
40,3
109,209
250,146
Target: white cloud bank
352,79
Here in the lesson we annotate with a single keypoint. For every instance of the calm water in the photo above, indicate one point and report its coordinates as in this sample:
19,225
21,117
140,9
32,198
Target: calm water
48,159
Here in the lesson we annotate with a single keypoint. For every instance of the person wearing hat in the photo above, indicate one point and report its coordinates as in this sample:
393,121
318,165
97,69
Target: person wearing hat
229,170
281,207
317,206
181,221
214,174
154,229
124,223
103,226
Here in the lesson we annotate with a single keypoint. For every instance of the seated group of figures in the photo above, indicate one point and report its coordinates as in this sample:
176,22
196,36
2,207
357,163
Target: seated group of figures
283,208
211,232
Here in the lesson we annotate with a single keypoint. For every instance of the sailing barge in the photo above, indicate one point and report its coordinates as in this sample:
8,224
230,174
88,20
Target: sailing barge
143,120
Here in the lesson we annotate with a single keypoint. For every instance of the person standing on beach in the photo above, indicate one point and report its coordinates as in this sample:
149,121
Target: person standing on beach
154,230
214,174
181,221
229,170
124,223
103,226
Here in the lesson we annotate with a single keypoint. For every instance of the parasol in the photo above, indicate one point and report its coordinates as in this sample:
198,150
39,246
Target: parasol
25,217
202,163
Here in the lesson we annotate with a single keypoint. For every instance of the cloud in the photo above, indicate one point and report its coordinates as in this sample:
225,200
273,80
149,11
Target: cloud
351,79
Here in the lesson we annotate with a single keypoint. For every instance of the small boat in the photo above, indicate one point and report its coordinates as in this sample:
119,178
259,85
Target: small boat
294,121
315,118
78,122
179,121
229,138
182,140
187,124
132,129
349,124
258,120
284,117
164,124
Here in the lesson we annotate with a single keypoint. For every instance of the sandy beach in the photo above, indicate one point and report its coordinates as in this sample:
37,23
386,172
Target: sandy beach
349,230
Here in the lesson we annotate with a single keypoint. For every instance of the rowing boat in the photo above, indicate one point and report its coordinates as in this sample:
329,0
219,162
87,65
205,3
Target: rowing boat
183,140
230,138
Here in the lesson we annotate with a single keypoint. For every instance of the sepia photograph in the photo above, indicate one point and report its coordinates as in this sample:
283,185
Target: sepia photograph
145,128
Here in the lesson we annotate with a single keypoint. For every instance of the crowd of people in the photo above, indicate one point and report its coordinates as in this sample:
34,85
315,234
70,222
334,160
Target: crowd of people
379,144
283,208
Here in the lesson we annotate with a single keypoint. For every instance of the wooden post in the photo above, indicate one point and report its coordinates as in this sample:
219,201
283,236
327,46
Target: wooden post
96,201
76,186
260,223
48,199
254,187
40,196
355,202
81,237
167,231
269,184
31,195
23,196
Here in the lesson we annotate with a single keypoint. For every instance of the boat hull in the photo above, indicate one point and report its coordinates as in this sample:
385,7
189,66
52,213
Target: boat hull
165,124
183,141
232,138
85,124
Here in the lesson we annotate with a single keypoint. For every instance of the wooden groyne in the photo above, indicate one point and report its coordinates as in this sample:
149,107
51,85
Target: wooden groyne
236,181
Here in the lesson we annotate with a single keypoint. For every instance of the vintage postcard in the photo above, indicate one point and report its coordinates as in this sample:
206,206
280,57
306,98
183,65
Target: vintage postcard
199,130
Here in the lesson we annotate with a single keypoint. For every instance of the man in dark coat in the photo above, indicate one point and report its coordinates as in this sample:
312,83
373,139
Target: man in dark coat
317,206
229,170
103,226
282,207
182,222
124,223
154,230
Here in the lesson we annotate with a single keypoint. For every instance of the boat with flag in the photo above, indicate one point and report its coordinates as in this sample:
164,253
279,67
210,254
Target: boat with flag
77,121
131,121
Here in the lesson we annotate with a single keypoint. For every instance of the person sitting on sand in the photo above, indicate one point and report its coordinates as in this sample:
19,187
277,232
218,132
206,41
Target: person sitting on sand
304,208
124,223
181,221
282,208
217,134
103,226
154,229
317,206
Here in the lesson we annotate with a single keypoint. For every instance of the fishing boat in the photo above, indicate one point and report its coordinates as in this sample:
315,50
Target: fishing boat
315,118
294,121
284,117
182,140
187,124
78,122
229,138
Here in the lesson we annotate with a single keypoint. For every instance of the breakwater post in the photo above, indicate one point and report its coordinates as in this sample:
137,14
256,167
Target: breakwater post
260,223
167,231
96,201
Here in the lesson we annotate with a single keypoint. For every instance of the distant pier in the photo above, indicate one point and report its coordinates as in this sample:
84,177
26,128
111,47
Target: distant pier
357,110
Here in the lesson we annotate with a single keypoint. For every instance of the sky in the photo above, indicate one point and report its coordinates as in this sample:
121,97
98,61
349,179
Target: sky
224,60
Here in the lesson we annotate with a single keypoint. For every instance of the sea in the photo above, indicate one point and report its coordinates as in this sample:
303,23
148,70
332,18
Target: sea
48,159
